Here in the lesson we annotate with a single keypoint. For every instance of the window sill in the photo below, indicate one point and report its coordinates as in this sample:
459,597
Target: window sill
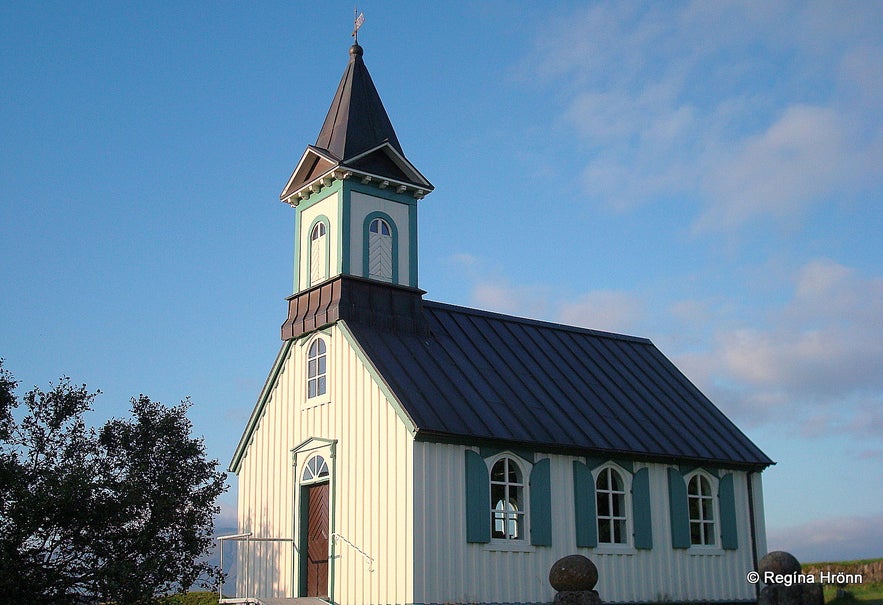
609,549
705,551
315,402
509,546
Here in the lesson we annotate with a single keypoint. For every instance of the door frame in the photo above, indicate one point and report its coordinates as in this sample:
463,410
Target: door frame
300,455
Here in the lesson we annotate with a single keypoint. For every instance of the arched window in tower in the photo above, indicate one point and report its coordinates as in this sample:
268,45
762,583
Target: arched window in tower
318,254
380,250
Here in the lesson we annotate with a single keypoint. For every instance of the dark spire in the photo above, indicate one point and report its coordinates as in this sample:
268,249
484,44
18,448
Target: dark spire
356,120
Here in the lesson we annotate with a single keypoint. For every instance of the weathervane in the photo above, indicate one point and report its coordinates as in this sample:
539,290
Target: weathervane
358,19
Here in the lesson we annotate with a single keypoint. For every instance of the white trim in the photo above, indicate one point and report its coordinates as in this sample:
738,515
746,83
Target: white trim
524,467
713,486
616,547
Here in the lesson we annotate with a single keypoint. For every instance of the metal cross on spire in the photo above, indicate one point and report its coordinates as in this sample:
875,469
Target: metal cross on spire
358,20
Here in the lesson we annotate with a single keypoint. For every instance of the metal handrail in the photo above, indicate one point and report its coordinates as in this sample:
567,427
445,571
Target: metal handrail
248,538
368,557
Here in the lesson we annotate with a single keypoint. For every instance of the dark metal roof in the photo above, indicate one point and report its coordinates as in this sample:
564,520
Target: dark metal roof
483,376
356,121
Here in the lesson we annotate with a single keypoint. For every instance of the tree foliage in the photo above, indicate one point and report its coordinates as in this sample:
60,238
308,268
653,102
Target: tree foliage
122,513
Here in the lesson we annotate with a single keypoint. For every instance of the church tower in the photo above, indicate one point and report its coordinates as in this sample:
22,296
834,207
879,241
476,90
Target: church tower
355,197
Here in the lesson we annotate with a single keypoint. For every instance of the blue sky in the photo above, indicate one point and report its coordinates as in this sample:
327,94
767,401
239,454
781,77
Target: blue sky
707,175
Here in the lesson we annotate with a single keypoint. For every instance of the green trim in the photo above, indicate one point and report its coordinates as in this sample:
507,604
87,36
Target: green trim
344,244
677,507
727,500
327,222
541,504
585,511
366,236
297,253
258,410
378,379
488,451
319,196
412,246
478,498
643,521
373,190
594,462
686,469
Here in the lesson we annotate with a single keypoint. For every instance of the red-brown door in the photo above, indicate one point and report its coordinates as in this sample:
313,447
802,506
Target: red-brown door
317,540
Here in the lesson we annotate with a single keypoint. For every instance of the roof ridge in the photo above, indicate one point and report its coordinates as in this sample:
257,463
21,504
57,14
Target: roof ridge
536,322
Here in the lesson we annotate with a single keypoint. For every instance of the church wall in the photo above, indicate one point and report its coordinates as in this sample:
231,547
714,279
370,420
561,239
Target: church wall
448,569
370,480
329,207
362,205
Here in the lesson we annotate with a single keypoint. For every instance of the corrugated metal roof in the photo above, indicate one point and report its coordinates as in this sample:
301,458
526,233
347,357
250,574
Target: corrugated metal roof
483,376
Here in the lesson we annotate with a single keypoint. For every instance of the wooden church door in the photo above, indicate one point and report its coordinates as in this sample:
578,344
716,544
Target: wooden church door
317,540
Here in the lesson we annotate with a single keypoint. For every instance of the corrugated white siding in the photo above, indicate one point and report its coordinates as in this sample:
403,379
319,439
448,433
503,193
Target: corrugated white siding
370,483
449,570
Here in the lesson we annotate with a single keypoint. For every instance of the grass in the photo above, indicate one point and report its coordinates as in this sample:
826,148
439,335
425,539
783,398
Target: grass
866,594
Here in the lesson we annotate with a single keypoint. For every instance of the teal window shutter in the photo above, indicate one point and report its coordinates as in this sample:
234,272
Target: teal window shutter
727,500
541,504
641,509
478,499
677,507
584,506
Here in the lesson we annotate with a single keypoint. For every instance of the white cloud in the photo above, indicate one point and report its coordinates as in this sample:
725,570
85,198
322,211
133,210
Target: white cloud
831,539
817,358
798,160
754,110
610,310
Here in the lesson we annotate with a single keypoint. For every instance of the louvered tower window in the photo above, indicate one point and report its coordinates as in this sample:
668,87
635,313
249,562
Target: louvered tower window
380,250
318,254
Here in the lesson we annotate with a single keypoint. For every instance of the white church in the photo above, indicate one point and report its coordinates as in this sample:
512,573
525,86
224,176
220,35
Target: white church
405,451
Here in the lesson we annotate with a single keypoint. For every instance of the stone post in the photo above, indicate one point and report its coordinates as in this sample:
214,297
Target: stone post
786,589
574,577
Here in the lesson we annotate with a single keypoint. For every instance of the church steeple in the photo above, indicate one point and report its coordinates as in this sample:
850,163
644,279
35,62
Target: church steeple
357,138
355,197
356,120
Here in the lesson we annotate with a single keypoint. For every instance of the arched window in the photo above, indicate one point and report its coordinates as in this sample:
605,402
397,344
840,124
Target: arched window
316,369
315,470
610,495
318,253
700,503
507,500
380,250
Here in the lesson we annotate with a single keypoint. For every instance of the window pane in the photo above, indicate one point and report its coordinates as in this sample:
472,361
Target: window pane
603,505
321,361
498,496
618,505
604,531
311,368
515,497
707,510
384,228
311,388
709,533
374,224
320,387
499,471
604,480
695,533
615,480
513,473
619,532
694,508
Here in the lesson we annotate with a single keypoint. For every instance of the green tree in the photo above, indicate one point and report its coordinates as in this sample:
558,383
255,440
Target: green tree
122,514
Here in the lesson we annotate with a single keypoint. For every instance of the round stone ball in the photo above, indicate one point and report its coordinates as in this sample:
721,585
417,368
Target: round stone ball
573,572
778,562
